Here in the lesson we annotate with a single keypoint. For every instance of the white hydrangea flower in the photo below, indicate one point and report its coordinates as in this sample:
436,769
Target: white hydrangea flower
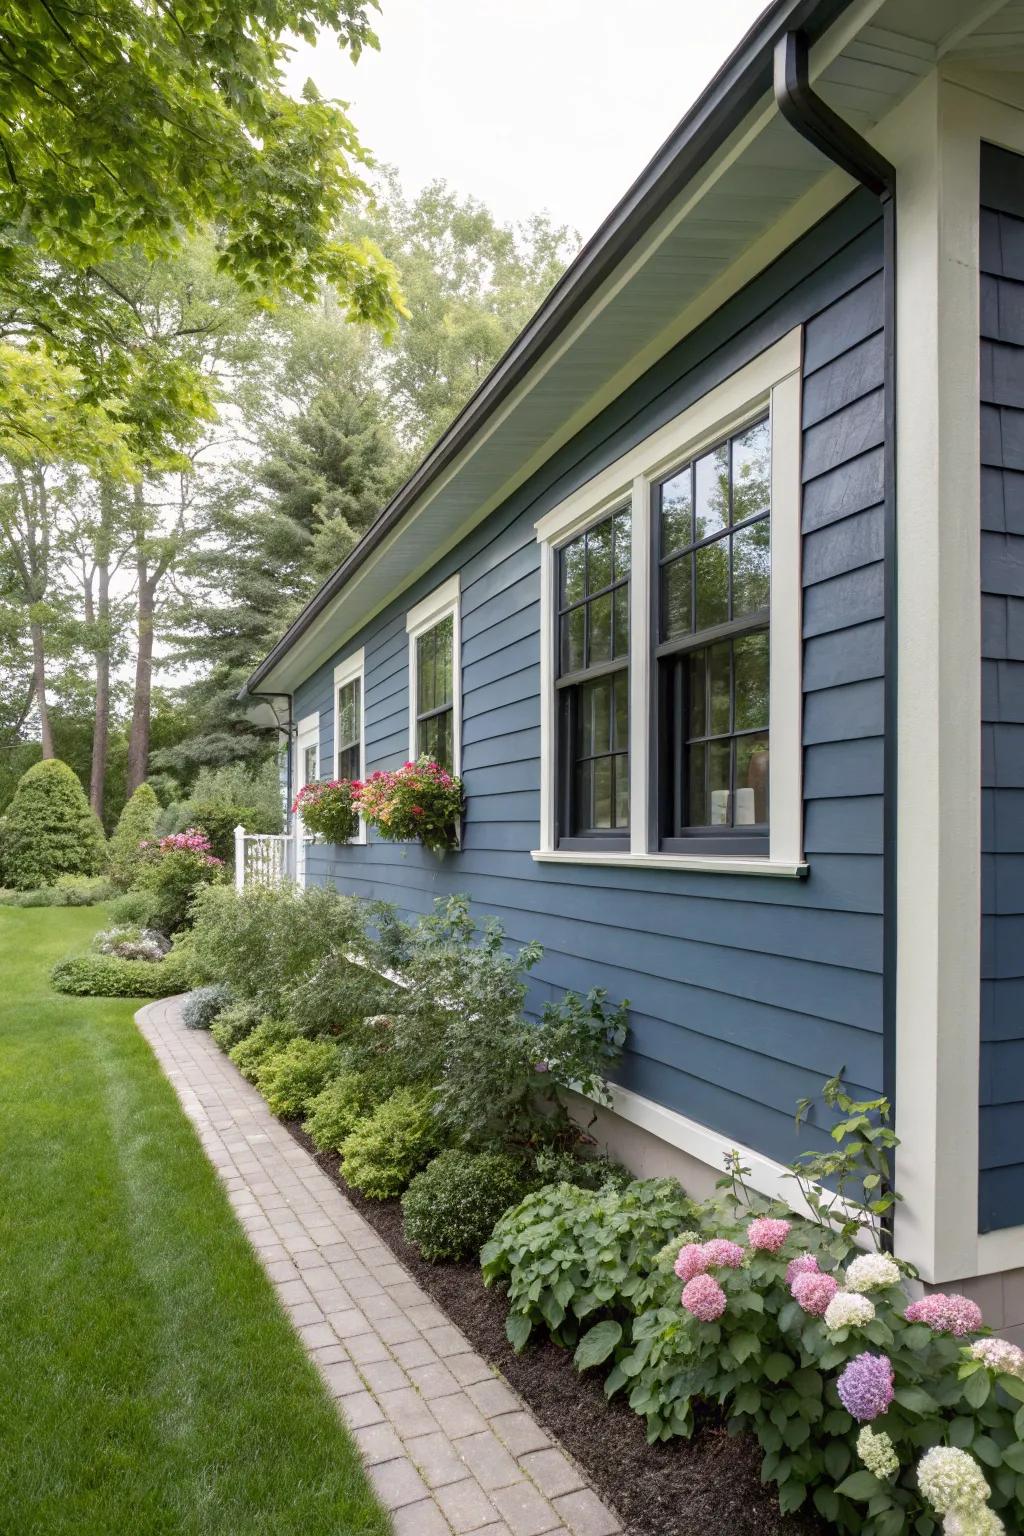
980,1521
848,1310
952,1481
877,1453
999,1355
870,1272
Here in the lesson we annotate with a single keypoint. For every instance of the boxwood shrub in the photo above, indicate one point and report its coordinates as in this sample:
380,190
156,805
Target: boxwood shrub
288,1078
249,1053
384,1151
236,1022
450,1209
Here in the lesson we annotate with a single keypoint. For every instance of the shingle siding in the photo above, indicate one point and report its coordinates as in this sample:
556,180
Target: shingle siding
745,993
1001,1182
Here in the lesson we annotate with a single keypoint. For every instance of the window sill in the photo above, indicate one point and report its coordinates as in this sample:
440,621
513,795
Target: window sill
691,863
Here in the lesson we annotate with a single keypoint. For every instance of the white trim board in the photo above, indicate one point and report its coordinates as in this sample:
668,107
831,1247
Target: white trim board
307,734
348,671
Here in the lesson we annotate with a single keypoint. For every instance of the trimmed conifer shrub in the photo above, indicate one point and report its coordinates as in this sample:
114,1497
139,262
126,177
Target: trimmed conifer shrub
135,824
49,829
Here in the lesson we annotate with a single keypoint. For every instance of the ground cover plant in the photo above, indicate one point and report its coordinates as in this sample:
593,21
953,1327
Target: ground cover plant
66,891
148,1380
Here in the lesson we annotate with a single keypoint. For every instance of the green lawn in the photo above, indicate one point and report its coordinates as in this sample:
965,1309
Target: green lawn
148,1381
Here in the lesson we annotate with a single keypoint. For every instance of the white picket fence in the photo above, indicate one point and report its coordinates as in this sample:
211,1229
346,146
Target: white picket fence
263,858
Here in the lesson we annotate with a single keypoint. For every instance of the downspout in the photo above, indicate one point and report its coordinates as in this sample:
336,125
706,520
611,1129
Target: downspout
827,131
288,732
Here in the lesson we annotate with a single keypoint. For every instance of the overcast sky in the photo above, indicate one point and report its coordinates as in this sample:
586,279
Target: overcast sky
529,104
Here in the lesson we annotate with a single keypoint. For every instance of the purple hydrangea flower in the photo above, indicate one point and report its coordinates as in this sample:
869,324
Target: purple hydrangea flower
866,1386
946,1313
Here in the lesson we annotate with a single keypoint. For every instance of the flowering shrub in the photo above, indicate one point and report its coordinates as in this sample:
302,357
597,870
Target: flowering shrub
418,801
329,809
174,870
132,943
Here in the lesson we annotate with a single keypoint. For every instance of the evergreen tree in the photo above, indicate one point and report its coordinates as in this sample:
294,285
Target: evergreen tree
49,829
136,822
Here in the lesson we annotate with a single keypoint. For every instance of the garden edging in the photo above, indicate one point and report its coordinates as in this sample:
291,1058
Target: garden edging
450,1447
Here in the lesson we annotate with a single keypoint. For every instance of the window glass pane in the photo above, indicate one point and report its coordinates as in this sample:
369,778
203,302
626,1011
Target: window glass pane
573,627
620,600
435,737
750,568
348,714
675,601
696,666
677,512
600,704
348,763
752,780
696,797
309,765
719,760
711,492
574,565
712,584
584,794
621,737
603,791
425,682
750,659
621,762
751,472
720,662
599,646
599,557
623,545
444,639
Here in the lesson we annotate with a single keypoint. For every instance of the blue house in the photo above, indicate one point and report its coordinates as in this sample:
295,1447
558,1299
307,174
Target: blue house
714,596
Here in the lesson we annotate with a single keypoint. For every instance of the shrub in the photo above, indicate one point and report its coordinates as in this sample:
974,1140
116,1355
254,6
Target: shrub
133,909
219,823
109,976
384,1151
69,891
234,793
568,1253
328,809
337,1110
418,801
135,825
132,944
557,1165
203,1005
236,1022
174,871
49,829
248,1055
290,1077
449,1209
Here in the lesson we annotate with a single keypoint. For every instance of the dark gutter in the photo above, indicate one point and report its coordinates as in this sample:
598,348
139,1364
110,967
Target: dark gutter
828,132
744,78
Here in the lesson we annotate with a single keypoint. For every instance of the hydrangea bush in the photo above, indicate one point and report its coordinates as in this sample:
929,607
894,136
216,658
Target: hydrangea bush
420,801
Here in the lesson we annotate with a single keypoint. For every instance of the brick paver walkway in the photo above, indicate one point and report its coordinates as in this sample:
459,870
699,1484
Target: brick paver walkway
449,1445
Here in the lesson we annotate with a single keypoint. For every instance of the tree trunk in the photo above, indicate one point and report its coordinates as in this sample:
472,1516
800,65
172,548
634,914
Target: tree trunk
138,741
100,619
39,675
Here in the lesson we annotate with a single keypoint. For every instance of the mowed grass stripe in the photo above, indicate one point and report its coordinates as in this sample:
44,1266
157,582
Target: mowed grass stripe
149,1381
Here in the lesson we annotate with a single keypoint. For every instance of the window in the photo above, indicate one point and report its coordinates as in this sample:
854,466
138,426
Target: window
713,525
434,680
593,682
671,652
349,737
309,766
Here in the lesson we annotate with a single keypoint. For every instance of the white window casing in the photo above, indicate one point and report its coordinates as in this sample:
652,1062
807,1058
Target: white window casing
771,380
444,600
307,738
352,669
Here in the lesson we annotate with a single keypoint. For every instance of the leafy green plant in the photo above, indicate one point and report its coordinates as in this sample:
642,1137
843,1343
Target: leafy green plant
449,1209
384,1151
134,909
580,1165
109,976
236,1022
135,826
850,1190
67,891
570,1255
337,1110
174,871
290,1077
328,809
249,1053
204,1005
420,801
49,829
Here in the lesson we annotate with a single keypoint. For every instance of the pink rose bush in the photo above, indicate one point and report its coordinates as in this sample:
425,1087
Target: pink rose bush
419,801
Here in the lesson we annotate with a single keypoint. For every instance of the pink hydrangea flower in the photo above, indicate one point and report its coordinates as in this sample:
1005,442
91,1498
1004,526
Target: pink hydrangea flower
866,1386
704,1297
768,1232
803,1264
692,1261
813,1290
946,1313
720,1251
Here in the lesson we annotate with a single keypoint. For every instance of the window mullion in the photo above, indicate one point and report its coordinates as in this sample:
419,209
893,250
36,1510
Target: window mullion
640,668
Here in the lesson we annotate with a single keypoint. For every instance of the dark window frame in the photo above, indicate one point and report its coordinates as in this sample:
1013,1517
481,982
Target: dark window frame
670,706
568,685
341,749
447,707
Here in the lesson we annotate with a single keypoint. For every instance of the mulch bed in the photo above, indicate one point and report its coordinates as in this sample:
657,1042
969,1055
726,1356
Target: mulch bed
707,1486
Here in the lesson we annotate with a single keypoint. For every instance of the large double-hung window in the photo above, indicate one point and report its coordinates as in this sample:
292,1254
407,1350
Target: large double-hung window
671,657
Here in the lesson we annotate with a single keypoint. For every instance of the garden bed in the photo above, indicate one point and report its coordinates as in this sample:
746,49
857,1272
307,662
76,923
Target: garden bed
708,1485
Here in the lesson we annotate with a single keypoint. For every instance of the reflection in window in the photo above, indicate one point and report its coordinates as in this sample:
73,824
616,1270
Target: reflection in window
593,682
714,563
349,727
435,698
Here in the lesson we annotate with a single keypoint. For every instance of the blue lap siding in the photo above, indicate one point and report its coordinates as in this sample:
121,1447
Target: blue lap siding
745,992
1001,1187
